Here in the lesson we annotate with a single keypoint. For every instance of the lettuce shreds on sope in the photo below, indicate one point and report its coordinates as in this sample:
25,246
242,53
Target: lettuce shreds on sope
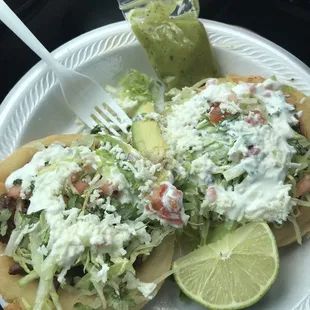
211,151
87,212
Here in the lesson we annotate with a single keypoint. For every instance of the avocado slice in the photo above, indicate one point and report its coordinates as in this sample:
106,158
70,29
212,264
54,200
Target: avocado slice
162,175
147,137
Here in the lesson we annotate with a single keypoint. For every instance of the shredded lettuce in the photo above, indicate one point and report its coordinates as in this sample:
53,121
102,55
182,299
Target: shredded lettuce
137,86
5,215
234,172
84,286
31,276
136,248
227,171
120,266
135,89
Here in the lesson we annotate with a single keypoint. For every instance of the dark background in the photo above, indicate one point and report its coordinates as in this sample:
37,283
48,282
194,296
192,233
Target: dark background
285,22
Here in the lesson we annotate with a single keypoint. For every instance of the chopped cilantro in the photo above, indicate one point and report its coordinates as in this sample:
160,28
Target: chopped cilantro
18,182
75,201
31,186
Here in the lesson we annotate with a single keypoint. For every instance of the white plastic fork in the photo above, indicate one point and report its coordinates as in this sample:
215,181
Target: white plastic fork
84,96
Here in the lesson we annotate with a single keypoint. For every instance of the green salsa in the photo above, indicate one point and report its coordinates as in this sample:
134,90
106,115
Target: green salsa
177,47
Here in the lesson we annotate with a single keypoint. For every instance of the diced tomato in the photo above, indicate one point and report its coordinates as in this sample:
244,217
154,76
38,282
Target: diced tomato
171,214
252,151
14,192
303,186
211,193
252,89
156,199
162,189
107,189
232,97
80,186
75,177
255,118
87,168
216,115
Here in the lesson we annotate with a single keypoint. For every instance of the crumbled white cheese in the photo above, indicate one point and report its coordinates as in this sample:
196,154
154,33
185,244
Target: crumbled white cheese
241,89
145,170
103,273
217,93
107,205
118,179
94,196
128,103
181,132
133,283
229,107
147,187
70,236
146,289
152,116
203,167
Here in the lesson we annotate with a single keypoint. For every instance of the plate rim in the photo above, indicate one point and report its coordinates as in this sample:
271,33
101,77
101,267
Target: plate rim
67,48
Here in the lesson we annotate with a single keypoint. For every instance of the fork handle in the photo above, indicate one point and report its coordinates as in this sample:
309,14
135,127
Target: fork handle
10,19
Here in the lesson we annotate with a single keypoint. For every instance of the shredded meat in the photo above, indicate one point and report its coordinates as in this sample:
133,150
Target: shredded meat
24,205
12,204
8,203
16,269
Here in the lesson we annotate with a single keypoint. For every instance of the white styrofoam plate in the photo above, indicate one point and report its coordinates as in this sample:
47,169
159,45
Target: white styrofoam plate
35,108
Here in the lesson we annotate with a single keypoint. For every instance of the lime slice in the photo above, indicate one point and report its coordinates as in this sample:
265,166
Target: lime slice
232,273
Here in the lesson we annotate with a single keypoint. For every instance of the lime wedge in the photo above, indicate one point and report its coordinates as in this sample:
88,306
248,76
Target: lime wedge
232,273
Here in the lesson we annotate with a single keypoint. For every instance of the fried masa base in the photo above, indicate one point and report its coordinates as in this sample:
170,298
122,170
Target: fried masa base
156,265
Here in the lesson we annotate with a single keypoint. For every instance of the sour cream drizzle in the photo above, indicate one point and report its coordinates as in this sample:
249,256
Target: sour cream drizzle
258,148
